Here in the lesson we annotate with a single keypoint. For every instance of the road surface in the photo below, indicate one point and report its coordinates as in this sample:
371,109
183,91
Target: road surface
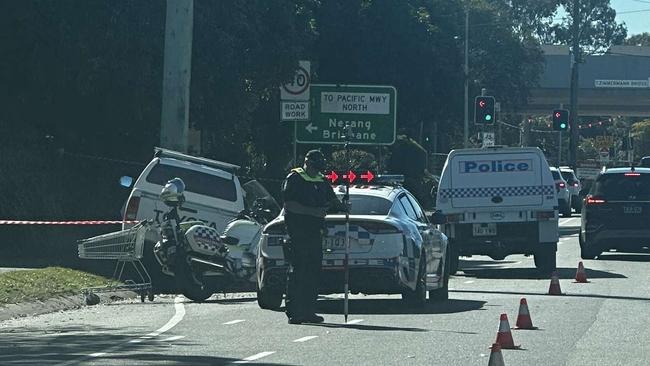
603,322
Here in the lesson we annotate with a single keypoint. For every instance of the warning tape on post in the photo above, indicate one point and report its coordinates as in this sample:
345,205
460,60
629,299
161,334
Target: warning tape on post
95,222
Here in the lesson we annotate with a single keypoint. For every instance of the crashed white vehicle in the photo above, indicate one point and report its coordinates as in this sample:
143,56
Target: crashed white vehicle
394,249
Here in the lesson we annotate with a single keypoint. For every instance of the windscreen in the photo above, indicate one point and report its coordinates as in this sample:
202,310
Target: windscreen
623,187
569,177
556,175
195,181
368,205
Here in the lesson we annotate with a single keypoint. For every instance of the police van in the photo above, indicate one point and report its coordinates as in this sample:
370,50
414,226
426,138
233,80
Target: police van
213,192
499,201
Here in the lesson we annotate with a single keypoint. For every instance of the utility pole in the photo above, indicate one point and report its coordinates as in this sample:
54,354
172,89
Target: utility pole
575,61
466,74
177,71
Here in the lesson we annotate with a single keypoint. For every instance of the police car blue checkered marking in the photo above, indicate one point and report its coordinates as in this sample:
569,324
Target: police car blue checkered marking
493,191
356,233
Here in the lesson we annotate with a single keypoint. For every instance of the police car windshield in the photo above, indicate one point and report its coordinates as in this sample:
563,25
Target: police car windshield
368,205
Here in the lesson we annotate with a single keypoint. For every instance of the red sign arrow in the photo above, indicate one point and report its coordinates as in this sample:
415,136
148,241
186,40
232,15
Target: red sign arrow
332,176
368,176
350,176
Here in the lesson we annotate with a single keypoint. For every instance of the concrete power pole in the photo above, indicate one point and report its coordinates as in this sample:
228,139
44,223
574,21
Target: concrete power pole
177,71
575,62
466,77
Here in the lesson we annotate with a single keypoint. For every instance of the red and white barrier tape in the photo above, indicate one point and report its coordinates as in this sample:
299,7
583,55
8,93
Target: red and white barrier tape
24,222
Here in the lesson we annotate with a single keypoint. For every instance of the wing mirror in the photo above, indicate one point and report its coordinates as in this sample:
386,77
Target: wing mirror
126,181
438,218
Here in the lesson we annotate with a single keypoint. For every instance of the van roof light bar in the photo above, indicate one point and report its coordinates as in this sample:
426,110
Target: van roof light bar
160,152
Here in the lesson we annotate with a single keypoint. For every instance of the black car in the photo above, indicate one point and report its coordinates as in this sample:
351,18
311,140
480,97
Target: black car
616,212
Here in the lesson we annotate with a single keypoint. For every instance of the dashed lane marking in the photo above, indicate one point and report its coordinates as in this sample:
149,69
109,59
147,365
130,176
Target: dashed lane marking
469,281
97,354
255,357
304,339
234,321
355,321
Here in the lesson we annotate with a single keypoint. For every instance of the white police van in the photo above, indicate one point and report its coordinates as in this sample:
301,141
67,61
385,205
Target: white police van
499,201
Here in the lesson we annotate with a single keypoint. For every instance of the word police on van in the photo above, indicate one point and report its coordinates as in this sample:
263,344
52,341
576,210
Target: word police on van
496,166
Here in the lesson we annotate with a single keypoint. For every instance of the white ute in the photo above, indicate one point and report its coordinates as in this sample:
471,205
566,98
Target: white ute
499,201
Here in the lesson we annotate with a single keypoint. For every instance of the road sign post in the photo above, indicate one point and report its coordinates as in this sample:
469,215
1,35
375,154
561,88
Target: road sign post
369,110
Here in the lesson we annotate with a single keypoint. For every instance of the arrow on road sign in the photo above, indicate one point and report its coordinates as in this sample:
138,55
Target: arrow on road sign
350,176
311,128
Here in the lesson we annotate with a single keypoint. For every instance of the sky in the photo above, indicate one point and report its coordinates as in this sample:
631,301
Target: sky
635,20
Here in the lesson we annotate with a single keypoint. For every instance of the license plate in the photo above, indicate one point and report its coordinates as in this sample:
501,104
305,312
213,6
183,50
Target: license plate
484,229
632,209
333,243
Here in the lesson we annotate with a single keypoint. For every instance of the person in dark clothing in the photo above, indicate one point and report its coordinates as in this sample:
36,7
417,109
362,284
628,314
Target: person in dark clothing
307,198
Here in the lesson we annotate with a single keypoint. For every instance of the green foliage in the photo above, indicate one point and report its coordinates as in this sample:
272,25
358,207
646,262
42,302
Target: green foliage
358,160
641,39
641,136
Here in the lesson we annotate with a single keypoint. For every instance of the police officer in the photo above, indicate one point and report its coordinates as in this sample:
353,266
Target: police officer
307,198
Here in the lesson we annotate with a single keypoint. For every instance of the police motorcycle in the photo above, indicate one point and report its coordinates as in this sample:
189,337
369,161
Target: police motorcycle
196,255
246,229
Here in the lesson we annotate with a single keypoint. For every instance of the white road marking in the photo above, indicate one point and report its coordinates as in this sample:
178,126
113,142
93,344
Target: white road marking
234,321
174,338
469,281
255,357
178,316
355,321
304,339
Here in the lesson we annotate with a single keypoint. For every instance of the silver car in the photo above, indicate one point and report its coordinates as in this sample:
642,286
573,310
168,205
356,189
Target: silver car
574,186
563,194
394,249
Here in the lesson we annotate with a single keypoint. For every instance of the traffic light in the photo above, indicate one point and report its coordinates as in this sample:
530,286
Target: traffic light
484,110
560,120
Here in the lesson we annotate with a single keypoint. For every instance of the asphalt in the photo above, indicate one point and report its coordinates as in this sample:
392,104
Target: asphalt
603,322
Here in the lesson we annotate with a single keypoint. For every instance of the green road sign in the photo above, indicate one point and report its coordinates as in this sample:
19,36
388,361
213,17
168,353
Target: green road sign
369,110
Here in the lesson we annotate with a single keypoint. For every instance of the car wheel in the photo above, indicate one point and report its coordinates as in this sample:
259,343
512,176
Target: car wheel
442,293
454,254
545,260
418,296
269,299
586,252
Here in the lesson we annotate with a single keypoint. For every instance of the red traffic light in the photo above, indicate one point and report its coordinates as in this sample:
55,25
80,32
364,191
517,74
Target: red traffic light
557,114
481,103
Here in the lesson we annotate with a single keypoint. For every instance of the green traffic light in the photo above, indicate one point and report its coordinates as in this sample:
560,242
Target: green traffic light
563,125
488,117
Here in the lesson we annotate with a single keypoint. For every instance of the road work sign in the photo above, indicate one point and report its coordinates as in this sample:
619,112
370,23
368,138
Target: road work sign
370,112
295,111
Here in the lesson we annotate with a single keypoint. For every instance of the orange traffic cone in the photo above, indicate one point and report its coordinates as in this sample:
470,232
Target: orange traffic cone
554,288
523,319
581,274
504,336
496,358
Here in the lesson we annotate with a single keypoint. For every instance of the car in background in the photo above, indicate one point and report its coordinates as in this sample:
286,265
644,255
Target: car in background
574,186
645,162
562,191
394,249
616,212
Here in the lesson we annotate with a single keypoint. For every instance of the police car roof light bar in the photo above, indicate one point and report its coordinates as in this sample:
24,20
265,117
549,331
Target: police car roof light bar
166,153
388,179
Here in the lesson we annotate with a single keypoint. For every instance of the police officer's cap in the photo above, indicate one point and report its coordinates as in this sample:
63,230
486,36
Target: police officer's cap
315,156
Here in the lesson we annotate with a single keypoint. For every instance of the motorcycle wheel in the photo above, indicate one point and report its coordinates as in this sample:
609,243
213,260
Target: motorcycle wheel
190,289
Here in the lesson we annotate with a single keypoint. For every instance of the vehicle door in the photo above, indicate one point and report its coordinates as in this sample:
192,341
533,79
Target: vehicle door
425,230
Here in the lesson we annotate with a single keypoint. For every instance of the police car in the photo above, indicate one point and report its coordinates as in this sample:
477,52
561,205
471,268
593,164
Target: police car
394,249
499,201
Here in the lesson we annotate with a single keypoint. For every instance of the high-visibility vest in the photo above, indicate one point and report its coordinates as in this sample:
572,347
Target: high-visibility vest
318,178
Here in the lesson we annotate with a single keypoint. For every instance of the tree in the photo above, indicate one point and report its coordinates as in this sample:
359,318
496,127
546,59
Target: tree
596,25
641,136
641,39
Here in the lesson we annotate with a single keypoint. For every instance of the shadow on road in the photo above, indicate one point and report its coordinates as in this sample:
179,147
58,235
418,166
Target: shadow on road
397,306
533,273
594,296
373,328
74,344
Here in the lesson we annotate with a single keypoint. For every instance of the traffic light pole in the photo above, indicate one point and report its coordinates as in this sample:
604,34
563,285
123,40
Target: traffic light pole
466,74
559,150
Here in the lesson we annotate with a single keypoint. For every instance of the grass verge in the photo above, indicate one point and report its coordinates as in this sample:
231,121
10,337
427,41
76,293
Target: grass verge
41,284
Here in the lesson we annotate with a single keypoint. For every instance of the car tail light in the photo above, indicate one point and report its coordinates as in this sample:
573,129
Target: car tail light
592,200
544,215
575,184
131,212
455,217
276,229
380,228
632,174
560,185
